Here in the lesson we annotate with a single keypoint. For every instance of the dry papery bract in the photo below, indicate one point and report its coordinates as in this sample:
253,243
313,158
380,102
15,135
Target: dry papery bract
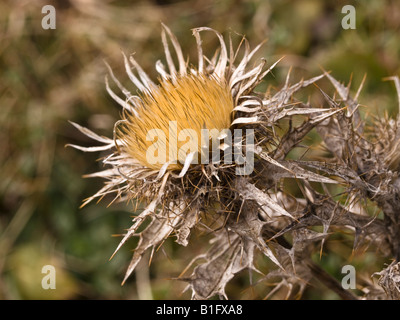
256,214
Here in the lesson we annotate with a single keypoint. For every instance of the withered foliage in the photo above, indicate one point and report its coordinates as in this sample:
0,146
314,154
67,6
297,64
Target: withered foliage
363,159
257,214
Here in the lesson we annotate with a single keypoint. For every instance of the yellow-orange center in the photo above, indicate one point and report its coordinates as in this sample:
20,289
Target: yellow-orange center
171,118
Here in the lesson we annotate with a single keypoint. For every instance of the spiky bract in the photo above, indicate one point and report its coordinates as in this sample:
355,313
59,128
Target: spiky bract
253,213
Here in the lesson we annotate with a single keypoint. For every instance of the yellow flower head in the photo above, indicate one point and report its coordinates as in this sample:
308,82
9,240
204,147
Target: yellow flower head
174,115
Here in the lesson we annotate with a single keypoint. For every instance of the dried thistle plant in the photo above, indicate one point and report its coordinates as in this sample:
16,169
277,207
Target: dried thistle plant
253,211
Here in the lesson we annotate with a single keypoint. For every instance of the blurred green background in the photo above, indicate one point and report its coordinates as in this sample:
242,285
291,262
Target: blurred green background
48,77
